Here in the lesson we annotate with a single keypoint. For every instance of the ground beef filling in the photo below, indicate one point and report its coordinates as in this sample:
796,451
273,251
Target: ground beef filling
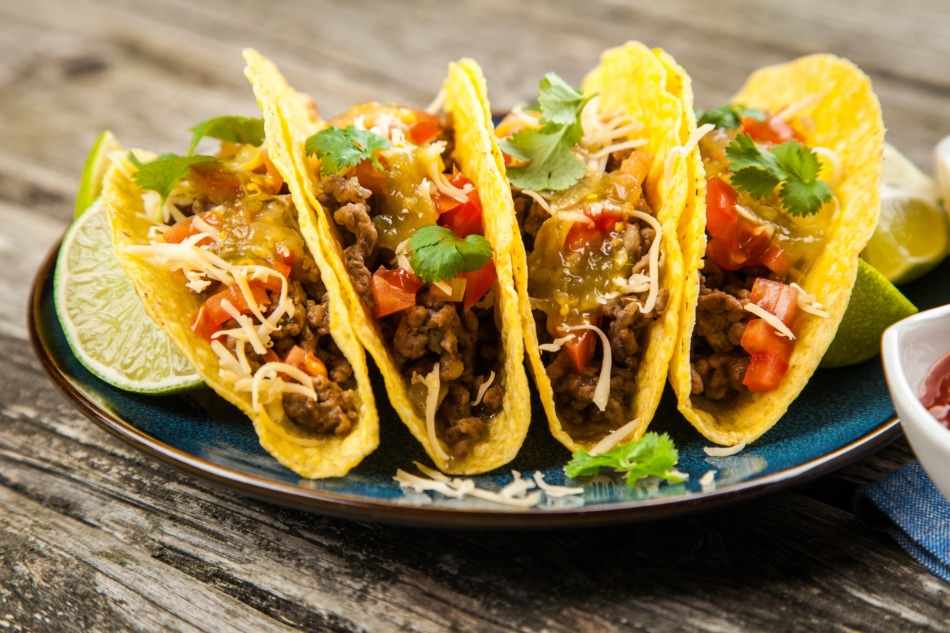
465,343
717,361
622,322
336,408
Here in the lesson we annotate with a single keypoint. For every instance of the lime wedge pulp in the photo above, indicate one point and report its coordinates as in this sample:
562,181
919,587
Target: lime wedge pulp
103,318
913,234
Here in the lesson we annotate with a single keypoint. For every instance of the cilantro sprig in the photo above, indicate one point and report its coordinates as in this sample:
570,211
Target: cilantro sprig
339,149
653,455
729,116
551,165
163,173
437,253
791,167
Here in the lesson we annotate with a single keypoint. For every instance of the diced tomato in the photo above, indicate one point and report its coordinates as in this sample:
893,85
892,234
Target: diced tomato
305,361
720,206
583,233
477,283
212,315
773,130
759,336
580,349
370,176
183,229
463,218
776,259
765,371
725,256
214,181
637,164
775,297
393,290
427,127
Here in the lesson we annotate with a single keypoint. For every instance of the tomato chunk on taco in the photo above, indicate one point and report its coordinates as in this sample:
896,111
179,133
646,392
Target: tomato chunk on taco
792,169
406,201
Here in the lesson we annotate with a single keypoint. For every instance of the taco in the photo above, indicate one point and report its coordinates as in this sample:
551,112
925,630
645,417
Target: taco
215,250
407,203
792,169
599,266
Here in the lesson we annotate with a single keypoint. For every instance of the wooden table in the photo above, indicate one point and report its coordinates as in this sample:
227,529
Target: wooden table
97,536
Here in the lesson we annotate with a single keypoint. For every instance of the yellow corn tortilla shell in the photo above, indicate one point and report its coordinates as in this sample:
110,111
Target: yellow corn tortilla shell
648,85
171,305
465,100
843,114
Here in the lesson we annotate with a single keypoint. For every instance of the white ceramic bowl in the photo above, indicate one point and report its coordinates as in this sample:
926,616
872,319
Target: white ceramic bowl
910,348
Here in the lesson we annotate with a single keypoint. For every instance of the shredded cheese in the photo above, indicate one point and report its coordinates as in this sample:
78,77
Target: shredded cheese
539,199
432,384
723,451
483,388
684,149
615,437
771,319
554,491
834,161
519,493
809,302
654,260
708,480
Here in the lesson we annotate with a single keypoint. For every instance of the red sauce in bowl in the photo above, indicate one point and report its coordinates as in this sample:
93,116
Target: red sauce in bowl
935,391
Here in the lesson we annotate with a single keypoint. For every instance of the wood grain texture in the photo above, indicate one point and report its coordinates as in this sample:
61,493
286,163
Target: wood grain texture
95,536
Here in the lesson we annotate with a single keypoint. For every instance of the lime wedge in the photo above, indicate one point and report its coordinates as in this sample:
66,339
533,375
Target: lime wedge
942,165
103,319
97,162
913,233
875,304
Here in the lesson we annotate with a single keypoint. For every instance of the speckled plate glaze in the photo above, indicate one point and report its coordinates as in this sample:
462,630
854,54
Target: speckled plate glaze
842,415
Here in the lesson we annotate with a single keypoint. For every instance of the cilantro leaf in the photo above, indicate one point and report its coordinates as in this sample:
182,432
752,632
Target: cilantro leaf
652,455
234,129
551,163
791,166
560,103
729,116
547,149
439,254
341,148
163,173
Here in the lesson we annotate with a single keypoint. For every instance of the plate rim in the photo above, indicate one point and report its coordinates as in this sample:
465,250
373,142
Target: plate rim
429,516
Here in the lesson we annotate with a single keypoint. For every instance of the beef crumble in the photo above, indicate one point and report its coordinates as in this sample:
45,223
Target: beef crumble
717,361
465,343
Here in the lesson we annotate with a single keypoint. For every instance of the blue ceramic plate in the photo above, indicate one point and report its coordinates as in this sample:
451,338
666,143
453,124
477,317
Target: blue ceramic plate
841,416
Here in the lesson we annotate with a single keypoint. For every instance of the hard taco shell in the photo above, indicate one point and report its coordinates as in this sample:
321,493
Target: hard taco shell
840,112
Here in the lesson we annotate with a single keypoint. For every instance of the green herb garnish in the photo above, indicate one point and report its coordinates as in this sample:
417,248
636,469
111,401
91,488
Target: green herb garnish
653,455
436,253
233,129
791,166
729,116
547,149
341,148
163,173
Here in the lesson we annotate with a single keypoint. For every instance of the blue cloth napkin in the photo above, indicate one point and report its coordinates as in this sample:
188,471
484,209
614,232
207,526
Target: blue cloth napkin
907,505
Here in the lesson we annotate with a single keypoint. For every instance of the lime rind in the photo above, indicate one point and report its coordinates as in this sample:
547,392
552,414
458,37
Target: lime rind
97,162
875,304
105,322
